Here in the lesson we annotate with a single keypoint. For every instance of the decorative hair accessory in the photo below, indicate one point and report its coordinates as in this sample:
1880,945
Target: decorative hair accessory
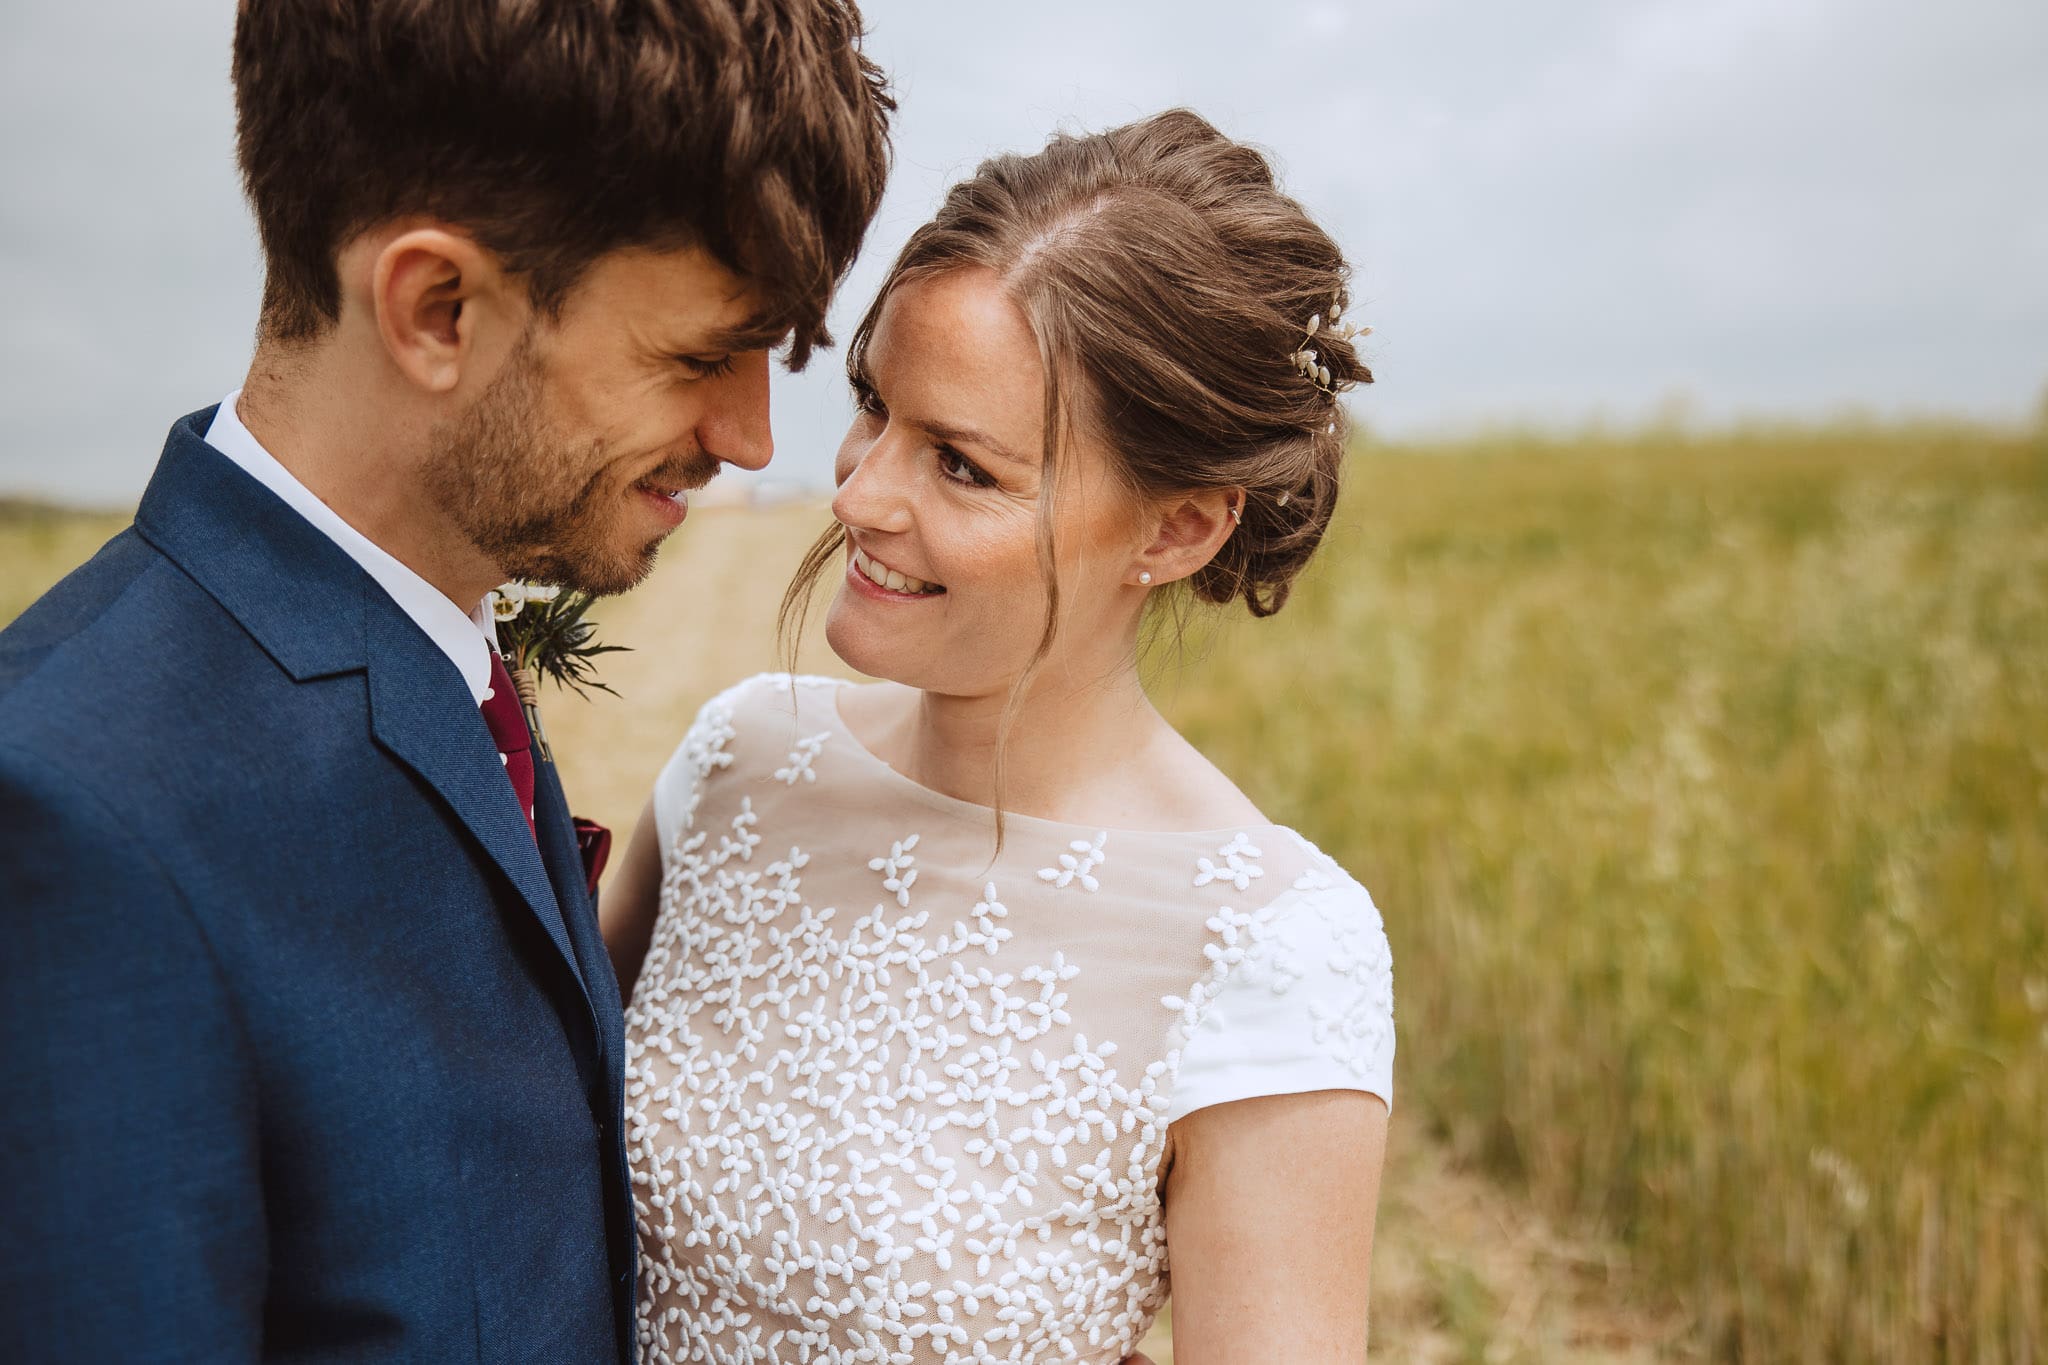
1309,363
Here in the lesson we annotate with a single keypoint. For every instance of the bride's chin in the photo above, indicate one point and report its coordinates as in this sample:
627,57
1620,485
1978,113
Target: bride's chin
866,647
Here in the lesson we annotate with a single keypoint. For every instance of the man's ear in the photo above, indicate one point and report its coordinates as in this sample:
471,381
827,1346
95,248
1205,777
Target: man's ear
1187,534
435,293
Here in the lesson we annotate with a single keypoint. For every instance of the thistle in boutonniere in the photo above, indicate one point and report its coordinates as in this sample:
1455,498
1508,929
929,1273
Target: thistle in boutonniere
544,632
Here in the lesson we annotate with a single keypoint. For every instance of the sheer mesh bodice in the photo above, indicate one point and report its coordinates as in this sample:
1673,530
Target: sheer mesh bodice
888,1102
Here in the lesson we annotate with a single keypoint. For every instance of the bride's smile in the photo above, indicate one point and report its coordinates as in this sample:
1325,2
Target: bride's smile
871,575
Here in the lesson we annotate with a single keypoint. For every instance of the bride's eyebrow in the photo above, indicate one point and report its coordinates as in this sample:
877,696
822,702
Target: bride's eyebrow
861,376
955,435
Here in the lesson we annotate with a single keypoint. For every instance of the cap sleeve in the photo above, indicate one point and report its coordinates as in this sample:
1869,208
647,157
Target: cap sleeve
1300,997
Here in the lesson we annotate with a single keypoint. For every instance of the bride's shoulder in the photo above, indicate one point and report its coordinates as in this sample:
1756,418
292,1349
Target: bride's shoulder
1274,871
1270,882
1322,893
1299,995
1316,872
1182,788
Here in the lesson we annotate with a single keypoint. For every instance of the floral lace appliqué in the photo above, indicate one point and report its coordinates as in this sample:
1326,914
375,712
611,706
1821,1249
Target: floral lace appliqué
1355,1025
806,752
898,869
965,1190
1239,868
1077,865
1319,959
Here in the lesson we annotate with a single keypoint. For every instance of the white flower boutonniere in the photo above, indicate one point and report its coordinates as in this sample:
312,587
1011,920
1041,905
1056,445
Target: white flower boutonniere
544,632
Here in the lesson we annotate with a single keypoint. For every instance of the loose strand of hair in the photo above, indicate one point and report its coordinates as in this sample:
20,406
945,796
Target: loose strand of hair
795,611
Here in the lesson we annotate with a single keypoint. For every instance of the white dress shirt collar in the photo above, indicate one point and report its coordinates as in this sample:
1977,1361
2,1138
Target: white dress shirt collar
467,640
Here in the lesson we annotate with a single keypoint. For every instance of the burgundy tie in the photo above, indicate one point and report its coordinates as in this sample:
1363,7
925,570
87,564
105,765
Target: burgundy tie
507,720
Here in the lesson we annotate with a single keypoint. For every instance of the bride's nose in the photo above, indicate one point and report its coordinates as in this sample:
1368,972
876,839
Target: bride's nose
876,494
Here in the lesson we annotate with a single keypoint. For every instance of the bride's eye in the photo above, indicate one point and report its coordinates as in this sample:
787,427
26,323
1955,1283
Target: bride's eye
866,400
962,470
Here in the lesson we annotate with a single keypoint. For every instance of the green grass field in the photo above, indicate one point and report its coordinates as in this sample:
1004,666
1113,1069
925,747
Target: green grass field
1703,782
1705,788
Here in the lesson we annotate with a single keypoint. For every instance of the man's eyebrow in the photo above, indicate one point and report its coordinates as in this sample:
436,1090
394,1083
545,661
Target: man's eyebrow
755,334
972,436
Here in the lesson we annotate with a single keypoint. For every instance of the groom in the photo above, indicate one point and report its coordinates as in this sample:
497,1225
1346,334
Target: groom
309,1049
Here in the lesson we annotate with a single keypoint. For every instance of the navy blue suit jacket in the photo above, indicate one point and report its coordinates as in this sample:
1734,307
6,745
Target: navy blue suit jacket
307,1052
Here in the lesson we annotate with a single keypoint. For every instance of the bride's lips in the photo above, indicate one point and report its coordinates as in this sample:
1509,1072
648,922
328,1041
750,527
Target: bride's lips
870,577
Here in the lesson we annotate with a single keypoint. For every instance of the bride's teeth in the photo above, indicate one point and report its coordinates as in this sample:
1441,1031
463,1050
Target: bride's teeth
883,576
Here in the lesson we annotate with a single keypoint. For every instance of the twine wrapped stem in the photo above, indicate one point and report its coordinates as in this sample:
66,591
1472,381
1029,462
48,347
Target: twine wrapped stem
526,682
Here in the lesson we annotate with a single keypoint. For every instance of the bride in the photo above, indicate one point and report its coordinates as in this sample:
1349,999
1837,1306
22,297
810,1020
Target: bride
962,1000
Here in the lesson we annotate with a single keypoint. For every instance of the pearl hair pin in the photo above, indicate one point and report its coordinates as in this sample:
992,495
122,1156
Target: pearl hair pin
1309,363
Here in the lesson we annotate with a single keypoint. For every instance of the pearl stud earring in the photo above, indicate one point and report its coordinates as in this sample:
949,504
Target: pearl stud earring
1144,576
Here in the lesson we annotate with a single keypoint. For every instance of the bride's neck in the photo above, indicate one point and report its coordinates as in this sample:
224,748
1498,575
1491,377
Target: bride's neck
1062,738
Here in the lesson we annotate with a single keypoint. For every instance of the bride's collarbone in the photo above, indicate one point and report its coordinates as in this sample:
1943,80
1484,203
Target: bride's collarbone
1166,785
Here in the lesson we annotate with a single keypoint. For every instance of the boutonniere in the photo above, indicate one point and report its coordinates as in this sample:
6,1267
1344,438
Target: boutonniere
544,632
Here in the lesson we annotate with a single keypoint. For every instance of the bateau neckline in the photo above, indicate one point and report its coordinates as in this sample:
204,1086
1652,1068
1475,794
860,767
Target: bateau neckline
954,805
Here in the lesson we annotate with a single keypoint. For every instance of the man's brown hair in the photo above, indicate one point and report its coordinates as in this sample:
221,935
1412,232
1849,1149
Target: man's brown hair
557,131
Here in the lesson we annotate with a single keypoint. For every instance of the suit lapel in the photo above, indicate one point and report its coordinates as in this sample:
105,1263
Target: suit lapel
421,713
296,592
318,614
557,831
556,836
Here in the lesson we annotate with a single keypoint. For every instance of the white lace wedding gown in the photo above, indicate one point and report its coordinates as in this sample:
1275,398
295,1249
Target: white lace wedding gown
889,1103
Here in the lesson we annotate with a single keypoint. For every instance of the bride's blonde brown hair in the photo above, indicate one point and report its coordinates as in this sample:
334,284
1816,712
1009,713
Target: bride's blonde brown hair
1169,284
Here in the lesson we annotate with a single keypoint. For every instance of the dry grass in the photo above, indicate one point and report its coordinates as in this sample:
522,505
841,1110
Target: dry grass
40,544
1705,786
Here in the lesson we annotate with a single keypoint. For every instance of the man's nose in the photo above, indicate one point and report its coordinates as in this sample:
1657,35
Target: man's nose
734,426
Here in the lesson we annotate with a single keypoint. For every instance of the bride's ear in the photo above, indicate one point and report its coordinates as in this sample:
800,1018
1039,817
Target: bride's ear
1186,533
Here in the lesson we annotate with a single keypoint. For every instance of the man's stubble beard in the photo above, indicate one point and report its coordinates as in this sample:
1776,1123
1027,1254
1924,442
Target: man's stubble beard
537,508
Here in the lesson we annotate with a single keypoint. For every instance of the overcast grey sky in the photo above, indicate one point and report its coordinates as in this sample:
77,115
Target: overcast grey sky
1558,210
